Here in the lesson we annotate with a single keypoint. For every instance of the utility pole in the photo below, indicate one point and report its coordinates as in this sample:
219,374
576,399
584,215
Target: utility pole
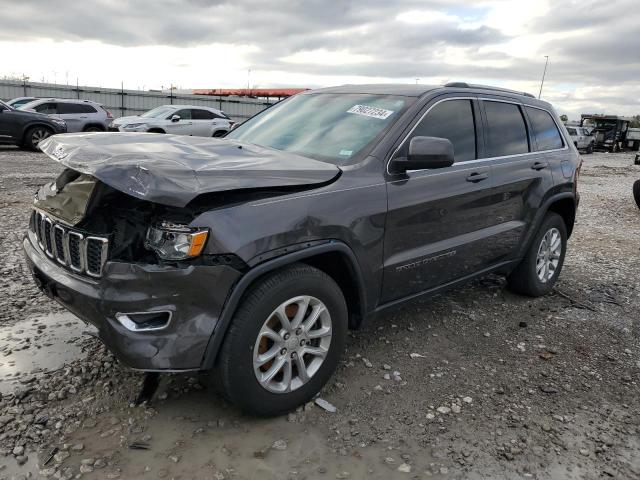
543,74
248,78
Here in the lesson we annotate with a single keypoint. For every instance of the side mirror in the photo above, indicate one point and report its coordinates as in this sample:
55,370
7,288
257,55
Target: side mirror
175,118
425,153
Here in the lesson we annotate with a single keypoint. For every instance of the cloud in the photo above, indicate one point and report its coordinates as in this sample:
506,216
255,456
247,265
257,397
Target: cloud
591,44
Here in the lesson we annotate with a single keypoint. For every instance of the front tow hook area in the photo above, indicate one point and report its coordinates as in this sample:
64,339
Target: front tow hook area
148,389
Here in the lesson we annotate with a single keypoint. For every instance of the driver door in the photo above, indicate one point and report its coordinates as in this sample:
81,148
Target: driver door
441,223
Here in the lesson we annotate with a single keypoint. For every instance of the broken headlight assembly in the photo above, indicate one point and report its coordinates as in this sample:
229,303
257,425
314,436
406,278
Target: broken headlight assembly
174,241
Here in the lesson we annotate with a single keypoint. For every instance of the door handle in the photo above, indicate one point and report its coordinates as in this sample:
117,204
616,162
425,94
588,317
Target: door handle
539,165
477,177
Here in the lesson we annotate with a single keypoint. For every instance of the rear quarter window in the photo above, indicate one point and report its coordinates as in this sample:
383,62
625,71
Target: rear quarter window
545,129
506,129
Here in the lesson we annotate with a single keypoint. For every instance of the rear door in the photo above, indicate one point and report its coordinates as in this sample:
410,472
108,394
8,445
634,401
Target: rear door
524,143
9,123
202,122
77,115
441,223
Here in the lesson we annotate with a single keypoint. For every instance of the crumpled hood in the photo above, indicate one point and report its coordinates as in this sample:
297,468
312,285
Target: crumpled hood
173,170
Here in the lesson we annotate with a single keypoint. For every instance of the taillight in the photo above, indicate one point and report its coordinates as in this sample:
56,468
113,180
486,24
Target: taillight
109,115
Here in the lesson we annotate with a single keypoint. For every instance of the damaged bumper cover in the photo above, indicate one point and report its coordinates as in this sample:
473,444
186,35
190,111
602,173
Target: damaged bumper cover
130,297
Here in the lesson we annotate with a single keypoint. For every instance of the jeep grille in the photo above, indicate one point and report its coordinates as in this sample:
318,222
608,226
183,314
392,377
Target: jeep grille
78,251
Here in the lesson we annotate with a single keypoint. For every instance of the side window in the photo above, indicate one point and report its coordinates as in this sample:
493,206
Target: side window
47,108
507,132
75,108
572,131
545,129
451,119
202,114
184,114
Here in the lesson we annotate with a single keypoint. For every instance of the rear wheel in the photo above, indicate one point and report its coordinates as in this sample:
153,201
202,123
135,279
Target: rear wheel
93,129
539,270
284,342
219,133
35,135
590,148
636,192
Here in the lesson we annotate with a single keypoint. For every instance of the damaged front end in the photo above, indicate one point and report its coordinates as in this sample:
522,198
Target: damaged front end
116,238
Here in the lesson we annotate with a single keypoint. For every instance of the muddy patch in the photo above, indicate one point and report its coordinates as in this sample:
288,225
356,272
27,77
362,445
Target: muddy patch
37,345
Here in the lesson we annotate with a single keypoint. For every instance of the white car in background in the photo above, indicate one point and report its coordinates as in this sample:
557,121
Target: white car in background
178,120
582,139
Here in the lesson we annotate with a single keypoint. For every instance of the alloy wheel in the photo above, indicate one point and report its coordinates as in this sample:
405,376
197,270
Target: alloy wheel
292,344
548,256
39,134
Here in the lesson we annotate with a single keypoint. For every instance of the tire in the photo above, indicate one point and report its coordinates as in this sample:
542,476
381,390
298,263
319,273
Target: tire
243,342
636,192
35,135
219,133
156,130
524,279
93,129
590,148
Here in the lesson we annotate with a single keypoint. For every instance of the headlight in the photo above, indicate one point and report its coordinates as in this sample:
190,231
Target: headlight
134,125
173,241
59,121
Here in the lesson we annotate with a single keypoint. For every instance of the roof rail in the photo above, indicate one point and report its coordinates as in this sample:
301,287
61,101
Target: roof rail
486,87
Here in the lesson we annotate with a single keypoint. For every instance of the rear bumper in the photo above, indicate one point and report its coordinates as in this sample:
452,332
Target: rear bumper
194,296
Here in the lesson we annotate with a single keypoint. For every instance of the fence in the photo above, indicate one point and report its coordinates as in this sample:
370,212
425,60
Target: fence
123,102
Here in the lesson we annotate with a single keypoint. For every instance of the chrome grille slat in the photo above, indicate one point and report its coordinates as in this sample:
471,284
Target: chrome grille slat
80,253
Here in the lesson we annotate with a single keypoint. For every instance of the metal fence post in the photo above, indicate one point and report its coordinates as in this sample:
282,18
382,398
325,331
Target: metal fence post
122,98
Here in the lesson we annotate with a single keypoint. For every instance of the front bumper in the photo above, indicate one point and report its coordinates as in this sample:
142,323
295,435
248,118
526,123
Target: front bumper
194,296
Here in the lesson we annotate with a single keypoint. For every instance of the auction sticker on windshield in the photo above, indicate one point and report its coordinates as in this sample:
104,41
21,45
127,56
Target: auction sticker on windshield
374,112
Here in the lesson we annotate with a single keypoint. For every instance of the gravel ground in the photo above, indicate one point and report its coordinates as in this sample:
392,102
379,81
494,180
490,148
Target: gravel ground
477,383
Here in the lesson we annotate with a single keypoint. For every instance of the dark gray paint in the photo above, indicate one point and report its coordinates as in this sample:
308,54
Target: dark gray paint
396,231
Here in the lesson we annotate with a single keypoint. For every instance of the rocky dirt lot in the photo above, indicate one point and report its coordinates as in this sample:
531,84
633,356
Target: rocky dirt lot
477,383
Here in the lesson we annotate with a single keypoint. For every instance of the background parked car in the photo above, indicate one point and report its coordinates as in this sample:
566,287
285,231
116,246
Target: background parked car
19,101
177,119
582,139
25,128
80,115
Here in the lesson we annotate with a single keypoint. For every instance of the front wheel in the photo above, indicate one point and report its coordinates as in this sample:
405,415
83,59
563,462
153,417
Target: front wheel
590,148
636,192
219,133
284,342
538,271
34,136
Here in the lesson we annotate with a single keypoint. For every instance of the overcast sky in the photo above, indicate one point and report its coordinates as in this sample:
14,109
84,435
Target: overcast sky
594,46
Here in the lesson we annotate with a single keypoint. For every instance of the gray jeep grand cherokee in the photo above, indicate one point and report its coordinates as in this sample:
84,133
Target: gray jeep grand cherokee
253,255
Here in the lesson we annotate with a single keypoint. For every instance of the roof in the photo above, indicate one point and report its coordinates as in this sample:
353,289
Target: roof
411,90
405,90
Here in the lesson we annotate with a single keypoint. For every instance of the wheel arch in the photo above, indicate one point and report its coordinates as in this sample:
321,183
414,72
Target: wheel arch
334,258
156,130
29,126
564,204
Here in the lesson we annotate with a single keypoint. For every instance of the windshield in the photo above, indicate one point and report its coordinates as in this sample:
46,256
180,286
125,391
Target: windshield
157,112
334,127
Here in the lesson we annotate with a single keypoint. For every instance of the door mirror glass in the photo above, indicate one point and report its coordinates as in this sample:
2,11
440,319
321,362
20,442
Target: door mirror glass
175,118
425,153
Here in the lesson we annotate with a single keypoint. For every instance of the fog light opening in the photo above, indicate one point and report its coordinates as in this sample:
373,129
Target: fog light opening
144,321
